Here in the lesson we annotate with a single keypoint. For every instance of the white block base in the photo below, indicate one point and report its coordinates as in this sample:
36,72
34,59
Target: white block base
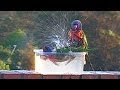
46,67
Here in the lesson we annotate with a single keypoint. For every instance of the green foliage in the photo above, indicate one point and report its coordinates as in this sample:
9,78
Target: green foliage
4,66
75,49
23,58
15,58
4,53
17,37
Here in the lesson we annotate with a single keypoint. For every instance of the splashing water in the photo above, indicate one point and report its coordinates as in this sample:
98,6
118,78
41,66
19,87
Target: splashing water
59,42
56,24
59,36
54,27
58,31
